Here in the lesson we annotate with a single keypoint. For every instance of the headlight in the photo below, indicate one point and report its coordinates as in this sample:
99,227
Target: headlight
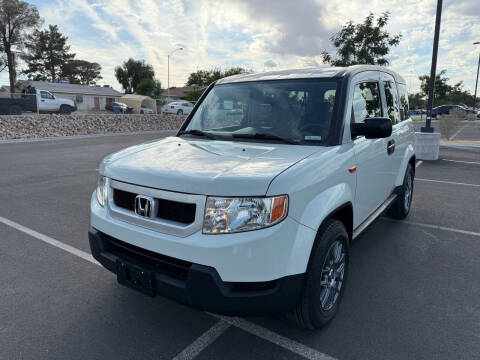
102,190
230,215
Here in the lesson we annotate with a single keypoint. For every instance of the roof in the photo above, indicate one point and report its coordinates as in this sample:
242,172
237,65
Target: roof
136,97
180,91
310,73
73,88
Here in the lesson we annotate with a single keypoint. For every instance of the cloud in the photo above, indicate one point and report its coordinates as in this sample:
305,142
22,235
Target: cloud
270,64
258,35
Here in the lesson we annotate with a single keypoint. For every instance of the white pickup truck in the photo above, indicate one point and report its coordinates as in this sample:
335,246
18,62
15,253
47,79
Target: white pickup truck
41,101
252,207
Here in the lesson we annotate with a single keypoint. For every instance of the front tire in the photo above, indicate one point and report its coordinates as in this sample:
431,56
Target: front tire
326,277
401,207
180,112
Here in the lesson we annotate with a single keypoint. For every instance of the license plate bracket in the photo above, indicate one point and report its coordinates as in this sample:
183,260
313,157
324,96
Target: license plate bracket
135,277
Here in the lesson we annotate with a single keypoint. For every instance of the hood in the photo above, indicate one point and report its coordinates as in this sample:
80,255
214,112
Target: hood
66,101
209,167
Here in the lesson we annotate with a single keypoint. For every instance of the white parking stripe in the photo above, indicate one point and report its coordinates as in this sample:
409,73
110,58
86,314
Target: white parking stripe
463,162
447,182
208,337
275,338
49,240
213,333
458,132
418,164
444,228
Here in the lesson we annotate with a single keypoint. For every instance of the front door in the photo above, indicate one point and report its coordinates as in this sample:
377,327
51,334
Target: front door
374,178
96,102
47,101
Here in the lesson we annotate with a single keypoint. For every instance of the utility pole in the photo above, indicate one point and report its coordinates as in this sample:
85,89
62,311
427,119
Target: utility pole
476,81
168,70
431,88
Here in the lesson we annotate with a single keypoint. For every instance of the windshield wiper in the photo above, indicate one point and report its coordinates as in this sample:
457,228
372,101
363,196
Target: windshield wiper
265,137
196,132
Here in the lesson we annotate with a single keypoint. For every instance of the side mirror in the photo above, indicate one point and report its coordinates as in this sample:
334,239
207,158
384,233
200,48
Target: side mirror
372,128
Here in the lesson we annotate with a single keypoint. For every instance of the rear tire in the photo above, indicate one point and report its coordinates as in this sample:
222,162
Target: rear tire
401,207
15,110
326,277
65,110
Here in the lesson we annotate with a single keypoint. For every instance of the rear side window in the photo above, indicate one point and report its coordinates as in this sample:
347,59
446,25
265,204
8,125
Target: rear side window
404,109
366,101
392,101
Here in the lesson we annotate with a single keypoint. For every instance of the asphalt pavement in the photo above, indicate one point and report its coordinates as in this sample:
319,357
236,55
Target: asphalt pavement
413,287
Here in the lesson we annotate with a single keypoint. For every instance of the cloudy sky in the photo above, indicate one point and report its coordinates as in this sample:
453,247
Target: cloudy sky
261,35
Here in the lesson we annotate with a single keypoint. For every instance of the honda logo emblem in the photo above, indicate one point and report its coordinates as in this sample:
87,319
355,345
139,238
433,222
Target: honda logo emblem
143,206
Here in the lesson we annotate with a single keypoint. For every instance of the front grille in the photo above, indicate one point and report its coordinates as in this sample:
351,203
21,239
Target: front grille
124,199
167,209
167,265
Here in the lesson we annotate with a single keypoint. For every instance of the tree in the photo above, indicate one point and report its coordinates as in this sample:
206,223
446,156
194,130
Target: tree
17,18
441,86
132,72
82,72
206,77
194,95
47,54
445,93
149,87
365,43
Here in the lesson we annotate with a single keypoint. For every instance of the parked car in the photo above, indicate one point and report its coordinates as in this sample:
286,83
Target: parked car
416,112
146,111
178,107
445,109
256,213
39,100
122,106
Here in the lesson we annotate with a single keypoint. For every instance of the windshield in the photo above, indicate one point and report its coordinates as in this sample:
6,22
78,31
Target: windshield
294,111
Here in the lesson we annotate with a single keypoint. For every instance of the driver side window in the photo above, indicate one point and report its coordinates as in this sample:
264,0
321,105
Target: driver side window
366,101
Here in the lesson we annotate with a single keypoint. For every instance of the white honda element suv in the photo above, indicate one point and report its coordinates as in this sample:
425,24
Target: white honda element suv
252,207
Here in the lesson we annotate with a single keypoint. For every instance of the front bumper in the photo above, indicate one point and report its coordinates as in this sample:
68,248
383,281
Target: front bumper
196,285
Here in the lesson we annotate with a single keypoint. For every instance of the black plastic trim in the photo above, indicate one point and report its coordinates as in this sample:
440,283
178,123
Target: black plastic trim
199,286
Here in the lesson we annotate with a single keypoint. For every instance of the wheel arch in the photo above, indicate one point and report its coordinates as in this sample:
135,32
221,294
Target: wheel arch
344,214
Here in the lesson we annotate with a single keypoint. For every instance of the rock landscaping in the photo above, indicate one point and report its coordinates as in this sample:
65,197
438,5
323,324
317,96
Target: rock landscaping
48,125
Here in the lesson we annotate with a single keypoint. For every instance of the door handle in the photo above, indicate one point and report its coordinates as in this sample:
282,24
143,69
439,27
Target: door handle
390,147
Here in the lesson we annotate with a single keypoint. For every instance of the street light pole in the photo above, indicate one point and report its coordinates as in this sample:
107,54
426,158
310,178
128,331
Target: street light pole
428,128
168,70
476,81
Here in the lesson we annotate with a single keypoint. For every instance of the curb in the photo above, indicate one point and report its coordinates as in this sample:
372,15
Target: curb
86,136
461,147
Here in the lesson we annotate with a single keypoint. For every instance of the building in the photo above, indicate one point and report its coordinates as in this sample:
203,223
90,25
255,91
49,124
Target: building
85,97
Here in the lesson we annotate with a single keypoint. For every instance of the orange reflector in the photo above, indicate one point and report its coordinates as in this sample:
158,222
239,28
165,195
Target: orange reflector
279,209
352,169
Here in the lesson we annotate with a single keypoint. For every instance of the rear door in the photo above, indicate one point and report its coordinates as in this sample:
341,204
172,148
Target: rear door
374,178
397,142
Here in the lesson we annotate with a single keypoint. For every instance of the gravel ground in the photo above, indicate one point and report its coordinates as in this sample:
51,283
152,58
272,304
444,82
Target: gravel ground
37,126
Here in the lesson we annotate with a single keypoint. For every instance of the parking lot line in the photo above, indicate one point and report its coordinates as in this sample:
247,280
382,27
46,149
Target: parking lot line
418,164
447,182
458,132
275,338
208,337
463,162
49,240
431,226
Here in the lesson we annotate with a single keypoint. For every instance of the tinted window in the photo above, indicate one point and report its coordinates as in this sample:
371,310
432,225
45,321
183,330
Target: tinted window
300,111
392,101
404,108
366,101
